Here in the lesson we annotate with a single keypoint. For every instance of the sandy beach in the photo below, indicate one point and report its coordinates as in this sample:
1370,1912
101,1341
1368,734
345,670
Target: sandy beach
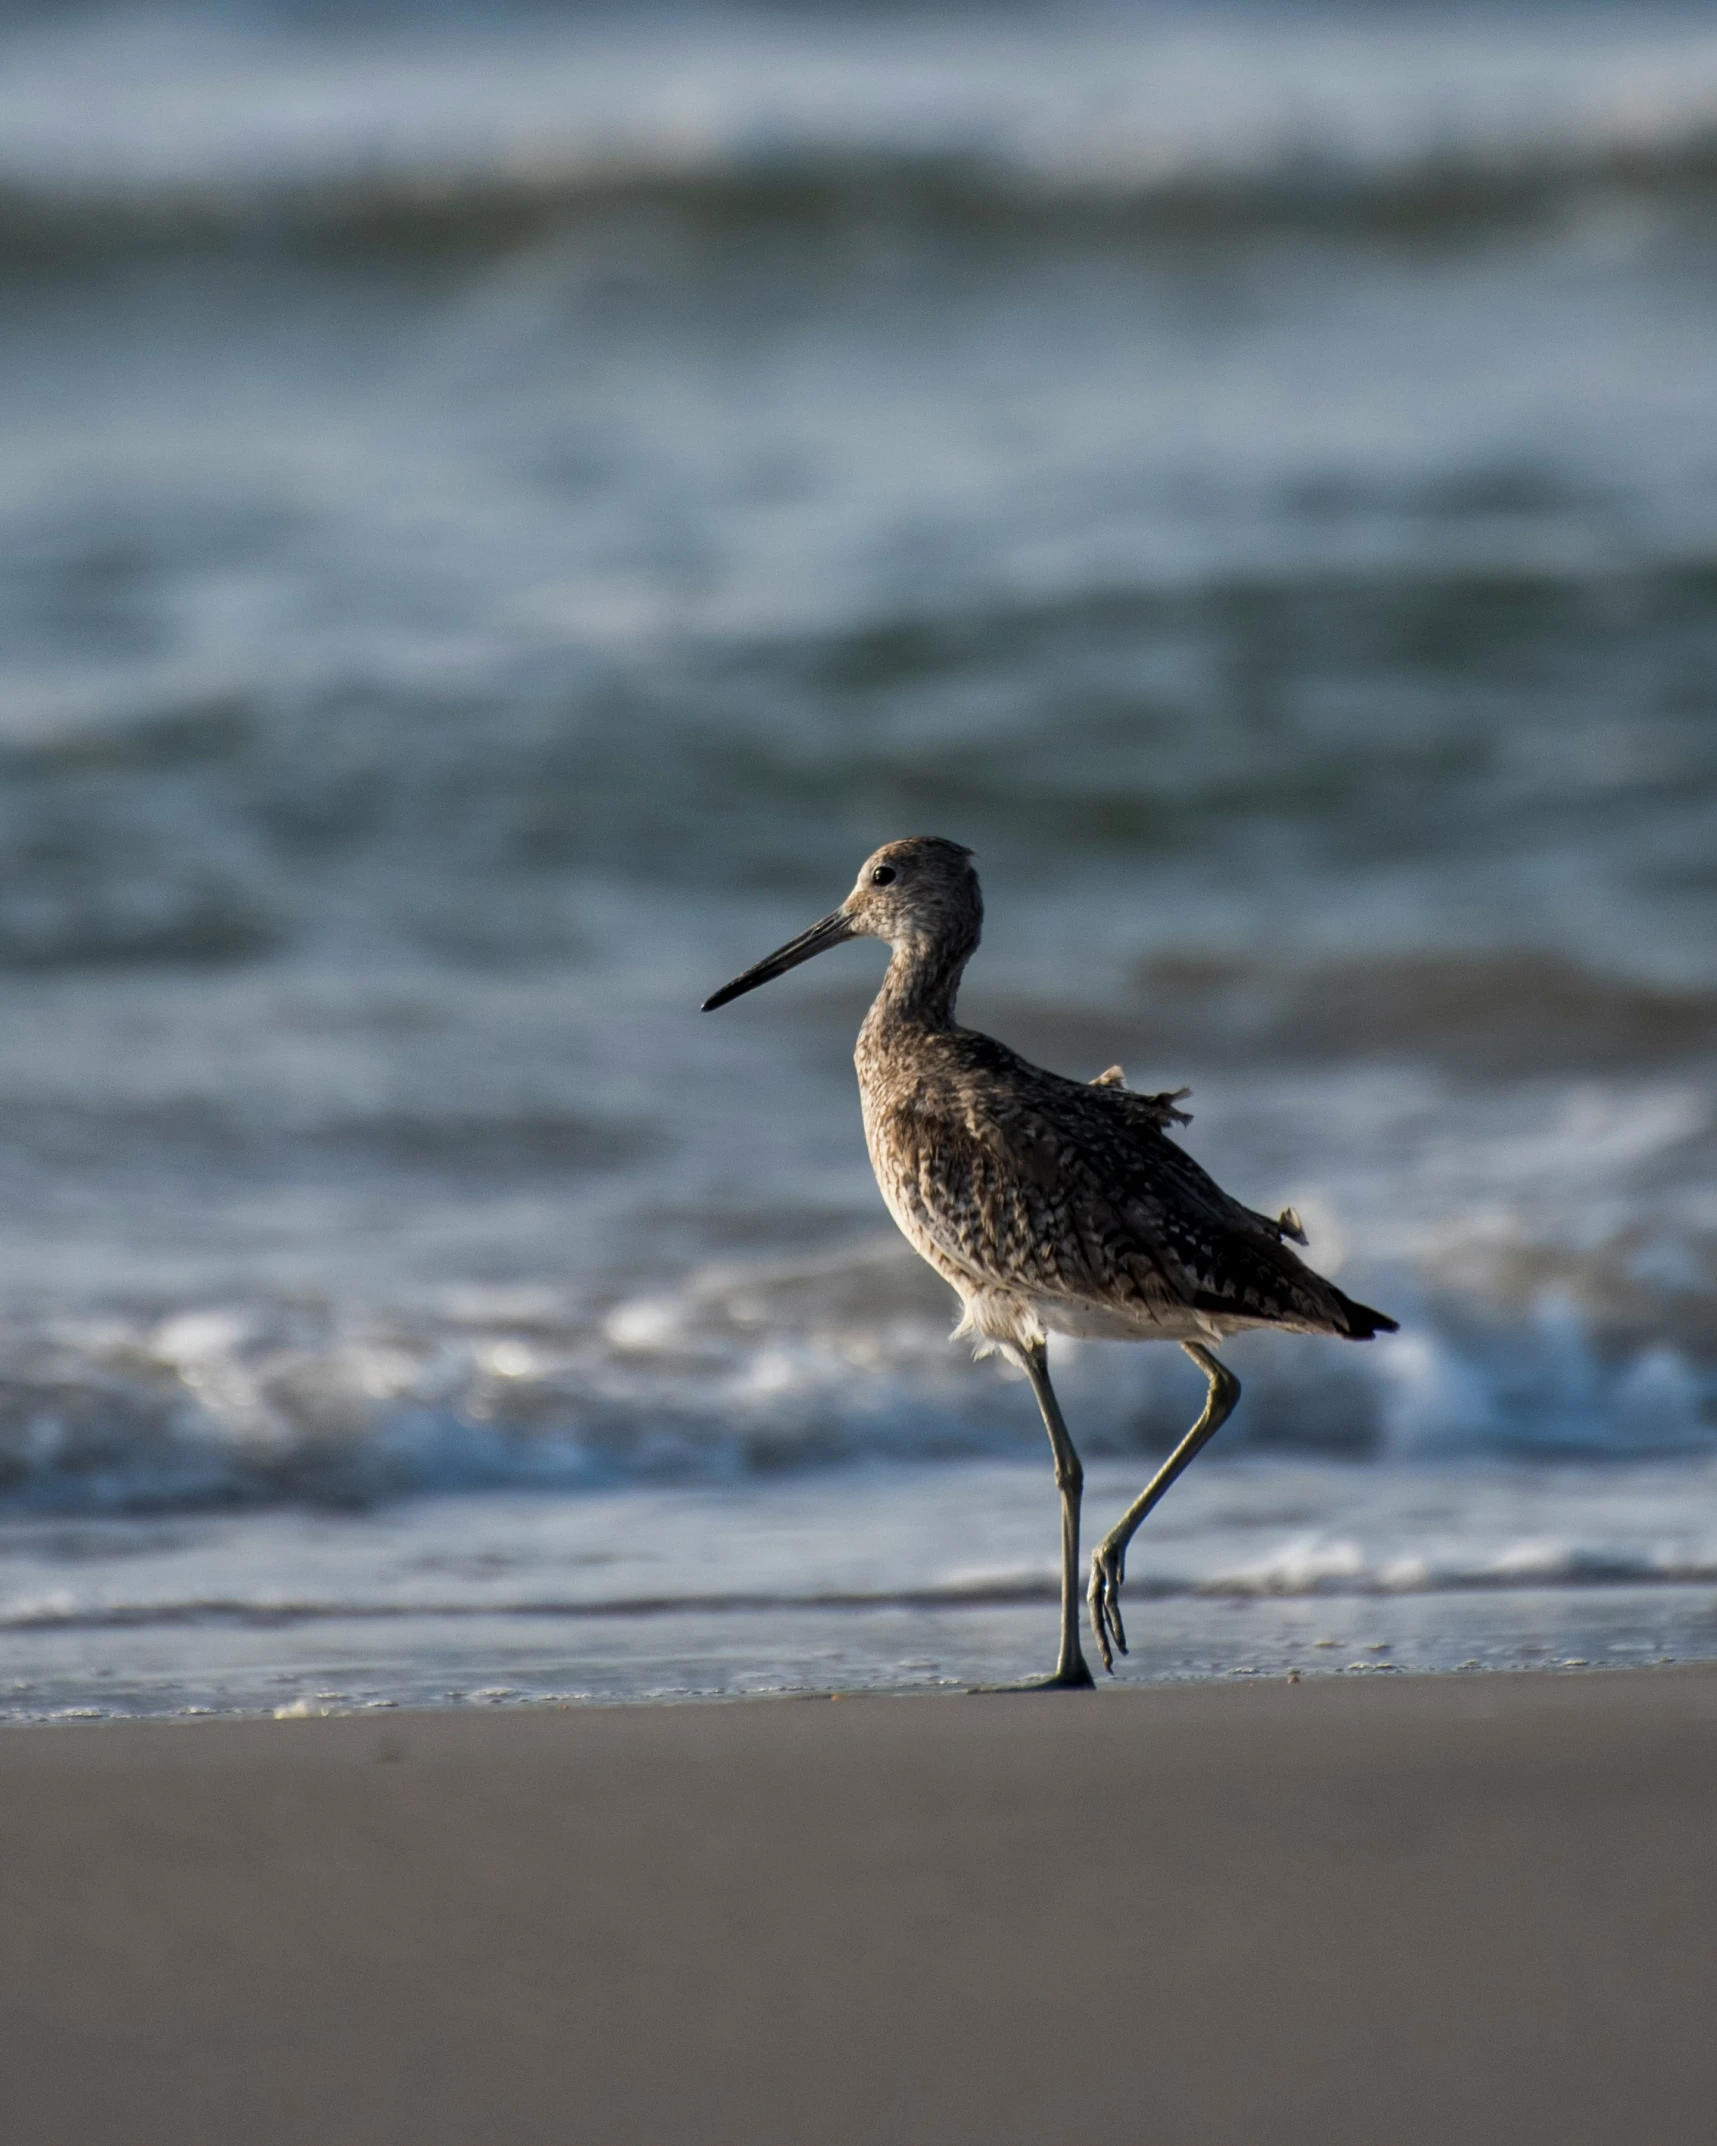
1387,1911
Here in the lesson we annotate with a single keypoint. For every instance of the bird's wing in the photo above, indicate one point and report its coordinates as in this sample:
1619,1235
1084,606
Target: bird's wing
1143,1194
1160,1110
1067,1191
996,1187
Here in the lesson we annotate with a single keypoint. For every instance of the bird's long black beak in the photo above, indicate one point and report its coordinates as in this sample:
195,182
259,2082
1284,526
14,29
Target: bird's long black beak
830,932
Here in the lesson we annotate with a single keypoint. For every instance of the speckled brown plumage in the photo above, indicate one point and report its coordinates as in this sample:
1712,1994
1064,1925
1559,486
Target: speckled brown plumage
1048,1204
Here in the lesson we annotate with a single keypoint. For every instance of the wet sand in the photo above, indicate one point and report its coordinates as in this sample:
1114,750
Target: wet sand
1350,1912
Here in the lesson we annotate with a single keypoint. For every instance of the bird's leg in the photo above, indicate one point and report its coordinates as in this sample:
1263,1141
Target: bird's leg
1070,1667
1072,1672
1109,1559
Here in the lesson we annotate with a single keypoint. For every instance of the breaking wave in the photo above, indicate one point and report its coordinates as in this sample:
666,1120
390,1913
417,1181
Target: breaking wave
746,1372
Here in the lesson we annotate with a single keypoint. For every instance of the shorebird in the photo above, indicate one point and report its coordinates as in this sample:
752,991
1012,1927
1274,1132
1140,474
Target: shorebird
1052,1206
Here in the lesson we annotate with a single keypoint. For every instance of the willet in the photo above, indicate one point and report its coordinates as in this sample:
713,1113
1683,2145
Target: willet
1052,1206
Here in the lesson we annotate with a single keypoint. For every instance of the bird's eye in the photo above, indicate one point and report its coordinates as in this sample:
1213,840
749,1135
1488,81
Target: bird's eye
884,875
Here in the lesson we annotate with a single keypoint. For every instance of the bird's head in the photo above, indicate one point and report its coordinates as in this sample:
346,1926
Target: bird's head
919,893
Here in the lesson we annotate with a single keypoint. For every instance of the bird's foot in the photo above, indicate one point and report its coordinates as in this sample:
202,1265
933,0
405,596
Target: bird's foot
1108,1569
1070,1676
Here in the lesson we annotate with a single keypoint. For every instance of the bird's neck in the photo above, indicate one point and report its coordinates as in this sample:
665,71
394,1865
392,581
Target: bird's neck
921,985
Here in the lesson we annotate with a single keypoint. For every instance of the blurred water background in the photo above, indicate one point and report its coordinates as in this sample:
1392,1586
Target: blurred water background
502,507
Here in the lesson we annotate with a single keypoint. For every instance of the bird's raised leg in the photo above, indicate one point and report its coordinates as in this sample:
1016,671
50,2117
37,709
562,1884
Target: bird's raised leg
1072,1672
1109,1559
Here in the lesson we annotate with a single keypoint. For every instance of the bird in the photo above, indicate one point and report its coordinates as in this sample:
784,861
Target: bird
1051,1205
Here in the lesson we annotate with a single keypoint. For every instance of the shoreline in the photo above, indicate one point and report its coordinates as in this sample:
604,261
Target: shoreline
1402,1909
932,1577
481,1705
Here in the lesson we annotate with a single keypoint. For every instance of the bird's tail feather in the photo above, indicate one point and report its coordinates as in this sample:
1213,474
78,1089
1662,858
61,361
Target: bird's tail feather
1363,1322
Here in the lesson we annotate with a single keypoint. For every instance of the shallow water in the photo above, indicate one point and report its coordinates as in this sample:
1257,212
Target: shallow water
881,1577
502,510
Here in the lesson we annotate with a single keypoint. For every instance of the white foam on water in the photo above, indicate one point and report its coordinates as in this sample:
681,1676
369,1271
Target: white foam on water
870,1577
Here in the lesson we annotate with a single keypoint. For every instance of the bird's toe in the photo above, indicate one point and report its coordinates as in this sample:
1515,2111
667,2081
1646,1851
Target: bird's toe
1104,1599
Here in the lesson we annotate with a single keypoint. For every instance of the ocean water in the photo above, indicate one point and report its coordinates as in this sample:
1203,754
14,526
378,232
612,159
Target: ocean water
502,508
